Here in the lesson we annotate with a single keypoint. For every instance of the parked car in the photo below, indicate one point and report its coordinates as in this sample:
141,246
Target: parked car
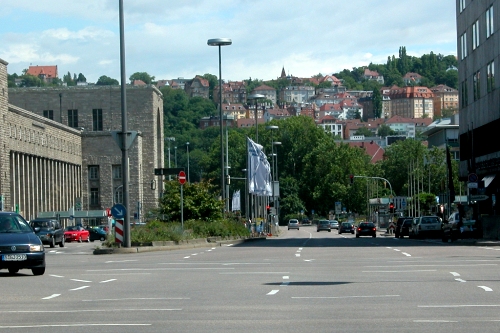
293,224
20,248
323,225
399,223
334,224
346,227
366,229
97,234
77,234
425,226
50,231
404,229
454,229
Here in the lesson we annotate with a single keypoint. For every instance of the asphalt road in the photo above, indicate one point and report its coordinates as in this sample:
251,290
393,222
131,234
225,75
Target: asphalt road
301,281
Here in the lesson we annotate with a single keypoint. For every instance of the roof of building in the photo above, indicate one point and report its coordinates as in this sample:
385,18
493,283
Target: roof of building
49,71
371,148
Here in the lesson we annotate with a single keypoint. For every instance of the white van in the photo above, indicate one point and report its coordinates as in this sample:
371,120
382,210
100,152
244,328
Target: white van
425,226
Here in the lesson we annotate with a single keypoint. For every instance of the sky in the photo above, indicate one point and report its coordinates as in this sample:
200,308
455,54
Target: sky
168,39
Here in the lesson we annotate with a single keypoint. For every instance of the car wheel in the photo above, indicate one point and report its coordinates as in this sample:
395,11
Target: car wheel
102,239
52,242
288,228
329,231
38,270
13,270
297,228
61,244
340,233
317,230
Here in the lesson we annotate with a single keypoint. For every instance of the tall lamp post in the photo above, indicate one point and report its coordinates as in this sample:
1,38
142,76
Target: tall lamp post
175,156
256,97
187,149
169,139
221,42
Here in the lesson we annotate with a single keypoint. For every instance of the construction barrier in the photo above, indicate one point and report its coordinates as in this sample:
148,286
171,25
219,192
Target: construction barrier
119,231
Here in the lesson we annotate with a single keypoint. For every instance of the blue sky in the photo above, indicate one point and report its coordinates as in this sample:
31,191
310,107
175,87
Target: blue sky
168,39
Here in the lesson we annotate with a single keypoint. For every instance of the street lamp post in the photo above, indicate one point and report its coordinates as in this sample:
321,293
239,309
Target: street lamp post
175,156
256,97
220,42
169,139
187,149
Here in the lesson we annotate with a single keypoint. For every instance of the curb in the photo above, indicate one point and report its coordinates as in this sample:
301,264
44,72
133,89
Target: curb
194,244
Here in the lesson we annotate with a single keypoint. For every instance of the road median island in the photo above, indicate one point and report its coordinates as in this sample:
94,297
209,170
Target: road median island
174,245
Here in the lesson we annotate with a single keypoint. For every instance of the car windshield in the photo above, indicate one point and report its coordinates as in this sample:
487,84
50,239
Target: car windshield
407,222
41,224
14,224
346,224
72,228
324,222
293,221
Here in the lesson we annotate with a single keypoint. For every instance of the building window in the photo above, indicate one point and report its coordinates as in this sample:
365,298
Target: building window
491,76
463,94
117,171
462,5
489,22
463,46
93,172
97,119
477,85
475,35
118,197
73,118
94,196
48,114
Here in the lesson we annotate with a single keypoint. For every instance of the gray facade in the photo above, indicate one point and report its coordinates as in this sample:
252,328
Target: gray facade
40,159
93,113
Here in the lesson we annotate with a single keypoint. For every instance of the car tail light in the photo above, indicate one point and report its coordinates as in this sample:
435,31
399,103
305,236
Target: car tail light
359,229
374,229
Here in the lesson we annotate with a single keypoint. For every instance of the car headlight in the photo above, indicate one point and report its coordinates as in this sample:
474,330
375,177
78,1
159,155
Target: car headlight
36,248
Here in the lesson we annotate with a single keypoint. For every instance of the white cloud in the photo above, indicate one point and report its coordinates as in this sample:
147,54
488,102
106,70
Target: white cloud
169,39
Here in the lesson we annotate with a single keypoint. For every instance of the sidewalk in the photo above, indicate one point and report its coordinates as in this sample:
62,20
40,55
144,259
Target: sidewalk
478,242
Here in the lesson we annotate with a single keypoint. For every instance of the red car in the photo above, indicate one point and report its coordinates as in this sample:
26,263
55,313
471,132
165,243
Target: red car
77,234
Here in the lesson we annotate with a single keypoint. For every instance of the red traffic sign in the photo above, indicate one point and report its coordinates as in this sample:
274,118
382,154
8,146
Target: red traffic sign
182,177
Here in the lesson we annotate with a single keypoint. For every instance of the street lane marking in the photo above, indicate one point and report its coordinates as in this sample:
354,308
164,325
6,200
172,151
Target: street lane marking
187,257
435,321
409,271
337,297
72,325
272,292
79,288
455,274
248,273
106,281
115,261
460,306
486,288
81,280
52,296
429,265
134,299
460,280
159,269
57,276
286,277
406,254
297,254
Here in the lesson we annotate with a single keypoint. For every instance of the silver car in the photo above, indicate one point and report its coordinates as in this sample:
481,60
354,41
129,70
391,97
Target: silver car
293,224
334,224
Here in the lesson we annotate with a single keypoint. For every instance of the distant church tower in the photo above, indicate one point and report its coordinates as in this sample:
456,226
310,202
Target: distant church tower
283,74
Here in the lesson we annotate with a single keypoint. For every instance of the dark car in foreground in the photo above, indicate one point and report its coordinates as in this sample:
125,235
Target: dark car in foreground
366,229
324,225
20,248
459,228
404,229
50,231
346,227
399,224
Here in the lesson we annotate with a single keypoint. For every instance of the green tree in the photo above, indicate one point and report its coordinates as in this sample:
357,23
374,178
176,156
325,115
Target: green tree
199,201
213,82
143,76
384,130
377,103
106,81
364,131
81,78
31,81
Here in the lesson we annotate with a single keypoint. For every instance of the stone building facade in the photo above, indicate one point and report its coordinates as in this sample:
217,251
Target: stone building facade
92,114
40,159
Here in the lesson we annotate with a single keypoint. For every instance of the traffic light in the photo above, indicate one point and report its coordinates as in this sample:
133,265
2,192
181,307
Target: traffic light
352,178
391,208
268,209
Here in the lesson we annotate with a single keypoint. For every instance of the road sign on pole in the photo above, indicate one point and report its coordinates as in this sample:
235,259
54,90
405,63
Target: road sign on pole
182,177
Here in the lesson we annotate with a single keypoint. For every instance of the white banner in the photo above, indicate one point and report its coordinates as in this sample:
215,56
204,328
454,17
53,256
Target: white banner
236,201
259,170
